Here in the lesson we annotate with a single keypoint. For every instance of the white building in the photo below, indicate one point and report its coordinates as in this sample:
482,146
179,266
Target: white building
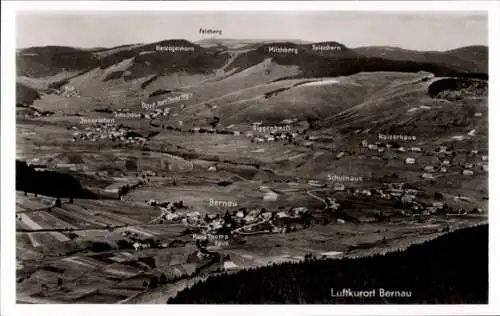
409,161
438,205
429,168
229,265
467,172
281,214
339,187
193,214
427,176
172,216
270,196
299,210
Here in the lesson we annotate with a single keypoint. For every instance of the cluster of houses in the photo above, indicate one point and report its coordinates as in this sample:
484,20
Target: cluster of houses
382,147
107,132
445,163
272,137
267,137
236,220
442,152
155,113
406,196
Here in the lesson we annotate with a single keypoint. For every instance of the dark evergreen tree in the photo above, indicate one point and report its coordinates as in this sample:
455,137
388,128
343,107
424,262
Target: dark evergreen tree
163,279
153,282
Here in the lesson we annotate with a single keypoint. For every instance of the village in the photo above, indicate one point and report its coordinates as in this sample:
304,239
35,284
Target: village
407,200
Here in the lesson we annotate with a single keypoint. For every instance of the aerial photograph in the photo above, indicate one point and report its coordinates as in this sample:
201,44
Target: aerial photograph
251,157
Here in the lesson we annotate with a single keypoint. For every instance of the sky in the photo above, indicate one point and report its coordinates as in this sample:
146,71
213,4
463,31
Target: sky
410,30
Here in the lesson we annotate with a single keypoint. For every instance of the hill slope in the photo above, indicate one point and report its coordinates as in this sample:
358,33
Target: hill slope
464,59
434,272
48,61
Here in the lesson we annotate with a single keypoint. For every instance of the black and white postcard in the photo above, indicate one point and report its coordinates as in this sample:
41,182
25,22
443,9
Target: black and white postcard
168,153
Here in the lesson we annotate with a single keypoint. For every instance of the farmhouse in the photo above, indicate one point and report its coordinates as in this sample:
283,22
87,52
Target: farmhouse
281,214
250,219
315,183
193,214
229,265
429,168
467,172
172,216
443,149
408,198
299,210
438,205
339,187
409,161
270,196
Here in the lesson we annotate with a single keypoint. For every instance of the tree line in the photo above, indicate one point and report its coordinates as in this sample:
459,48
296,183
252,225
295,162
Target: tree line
452,269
